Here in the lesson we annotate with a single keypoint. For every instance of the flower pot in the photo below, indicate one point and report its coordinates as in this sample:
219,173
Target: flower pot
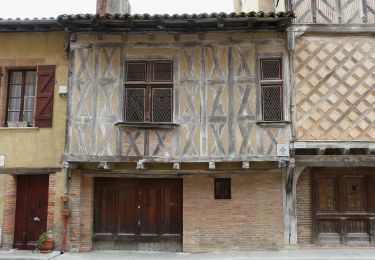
64,197
17,124
65,213
46,246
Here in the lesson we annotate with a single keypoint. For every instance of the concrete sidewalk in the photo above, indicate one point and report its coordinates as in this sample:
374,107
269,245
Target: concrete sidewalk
311,254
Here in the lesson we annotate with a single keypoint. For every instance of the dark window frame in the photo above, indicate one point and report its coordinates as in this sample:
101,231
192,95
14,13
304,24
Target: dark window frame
148,85
223,194
272,82
23,87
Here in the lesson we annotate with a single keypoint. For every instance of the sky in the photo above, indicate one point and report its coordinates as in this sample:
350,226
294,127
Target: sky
53,8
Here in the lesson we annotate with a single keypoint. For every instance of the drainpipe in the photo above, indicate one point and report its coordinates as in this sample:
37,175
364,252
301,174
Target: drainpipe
65,212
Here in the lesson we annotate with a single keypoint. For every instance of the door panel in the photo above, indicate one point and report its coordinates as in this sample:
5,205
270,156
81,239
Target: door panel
343,212
31,210
127,202
149,218
137,209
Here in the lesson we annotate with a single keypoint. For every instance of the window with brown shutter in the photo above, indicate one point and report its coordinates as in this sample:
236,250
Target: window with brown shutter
30,97
271,90
21,97
148,91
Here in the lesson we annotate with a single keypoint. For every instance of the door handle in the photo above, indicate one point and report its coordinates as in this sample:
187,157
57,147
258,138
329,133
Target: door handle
36,219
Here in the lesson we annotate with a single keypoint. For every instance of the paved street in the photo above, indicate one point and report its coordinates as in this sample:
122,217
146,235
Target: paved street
311,254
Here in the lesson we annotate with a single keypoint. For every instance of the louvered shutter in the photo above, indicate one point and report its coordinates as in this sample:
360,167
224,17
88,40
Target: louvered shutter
45,91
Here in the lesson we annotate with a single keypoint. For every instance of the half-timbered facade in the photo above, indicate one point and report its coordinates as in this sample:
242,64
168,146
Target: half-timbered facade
333,177
178,128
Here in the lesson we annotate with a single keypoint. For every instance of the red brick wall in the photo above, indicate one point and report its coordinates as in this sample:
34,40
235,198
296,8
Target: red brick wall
87,213
74,230
304,209
80,221
9,210
51,202
252,219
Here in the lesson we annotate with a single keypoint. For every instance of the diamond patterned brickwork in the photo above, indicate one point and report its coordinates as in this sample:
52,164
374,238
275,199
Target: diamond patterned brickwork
335,89
334,11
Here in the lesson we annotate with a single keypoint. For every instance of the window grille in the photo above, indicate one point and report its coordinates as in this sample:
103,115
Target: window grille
136,71
149,91
162,105
162,71
271,89
270,69
271,98
135,104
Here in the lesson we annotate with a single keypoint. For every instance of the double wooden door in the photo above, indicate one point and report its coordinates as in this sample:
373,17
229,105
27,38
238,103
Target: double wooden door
31,210
147,210
344,205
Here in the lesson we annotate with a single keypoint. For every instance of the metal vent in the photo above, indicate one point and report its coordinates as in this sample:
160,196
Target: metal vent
136,71
162,71
162,105
270,69
271,103
135,104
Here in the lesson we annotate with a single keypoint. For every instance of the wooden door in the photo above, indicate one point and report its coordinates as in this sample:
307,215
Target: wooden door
344,206
147,210
31,210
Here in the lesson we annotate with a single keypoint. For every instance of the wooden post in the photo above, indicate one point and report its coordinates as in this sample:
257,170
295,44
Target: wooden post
290,178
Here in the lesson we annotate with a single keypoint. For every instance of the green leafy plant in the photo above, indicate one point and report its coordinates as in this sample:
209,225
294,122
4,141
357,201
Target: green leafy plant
43,237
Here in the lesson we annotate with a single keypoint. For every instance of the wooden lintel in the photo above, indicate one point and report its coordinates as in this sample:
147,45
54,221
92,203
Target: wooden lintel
28,171
95,159
336,160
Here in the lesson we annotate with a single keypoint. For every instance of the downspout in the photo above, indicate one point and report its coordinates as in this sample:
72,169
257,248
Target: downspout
65,212
66,166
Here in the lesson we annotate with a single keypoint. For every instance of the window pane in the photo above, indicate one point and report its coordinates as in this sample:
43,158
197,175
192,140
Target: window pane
162,71
13,116
162,105
14,104
271,69
272,106
28,103
29,117
16,77
222,188
15,91
136,71
30,90
30,77
135,104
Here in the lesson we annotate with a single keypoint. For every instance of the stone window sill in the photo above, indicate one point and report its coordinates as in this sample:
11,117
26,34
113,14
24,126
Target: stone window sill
20,128
147,125
280,124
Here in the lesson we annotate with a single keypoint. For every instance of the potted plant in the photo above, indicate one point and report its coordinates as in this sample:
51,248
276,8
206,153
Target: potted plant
17,124
65,197
44,242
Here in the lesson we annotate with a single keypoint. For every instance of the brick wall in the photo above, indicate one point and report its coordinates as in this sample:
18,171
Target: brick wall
51,202
9,210
87,213
74,230
252,219
304,208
